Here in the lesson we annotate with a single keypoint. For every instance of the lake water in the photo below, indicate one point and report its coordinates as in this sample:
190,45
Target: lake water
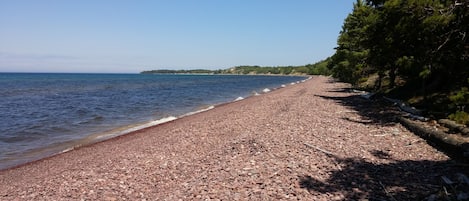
43,114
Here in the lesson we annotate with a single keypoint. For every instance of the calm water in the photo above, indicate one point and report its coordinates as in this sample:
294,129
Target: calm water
42,114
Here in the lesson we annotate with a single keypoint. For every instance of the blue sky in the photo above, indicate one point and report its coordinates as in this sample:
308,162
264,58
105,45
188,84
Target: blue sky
123,36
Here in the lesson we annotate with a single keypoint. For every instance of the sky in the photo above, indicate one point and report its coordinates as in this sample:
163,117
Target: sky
124,36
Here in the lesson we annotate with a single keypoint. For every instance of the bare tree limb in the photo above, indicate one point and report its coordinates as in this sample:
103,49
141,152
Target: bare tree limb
319,149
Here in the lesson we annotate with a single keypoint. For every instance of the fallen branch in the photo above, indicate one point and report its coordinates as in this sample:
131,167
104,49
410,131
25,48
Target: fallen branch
368,96
454,126
450,143
380,135
319,149
327,153
447,180
412,112
386,191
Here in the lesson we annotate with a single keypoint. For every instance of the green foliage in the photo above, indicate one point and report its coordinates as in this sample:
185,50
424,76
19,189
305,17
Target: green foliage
416,39
165,71
461,97
349,61
460,117
417,42
405,65
244,70
425,73
319,68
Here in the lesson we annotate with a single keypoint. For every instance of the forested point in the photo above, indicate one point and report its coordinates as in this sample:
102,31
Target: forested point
166,71
414,50
319,68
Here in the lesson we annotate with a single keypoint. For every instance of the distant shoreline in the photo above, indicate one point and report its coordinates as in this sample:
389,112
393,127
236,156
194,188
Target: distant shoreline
309,69
298,75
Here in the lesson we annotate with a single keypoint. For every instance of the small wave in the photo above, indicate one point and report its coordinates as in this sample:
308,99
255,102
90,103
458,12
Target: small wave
199,111
89,120
28,135
67,150
62,147
150,124
239,98
283,86
266,90
129,129
98,118
81,112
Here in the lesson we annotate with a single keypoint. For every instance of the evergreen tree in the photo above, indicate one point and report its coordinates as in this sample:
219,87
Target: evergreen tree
419,41
349,61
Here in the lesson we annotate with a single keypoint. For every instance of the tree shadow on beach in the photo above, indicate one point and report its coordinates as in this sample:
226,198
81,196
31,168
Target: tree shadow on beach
358,179
373,111
376,110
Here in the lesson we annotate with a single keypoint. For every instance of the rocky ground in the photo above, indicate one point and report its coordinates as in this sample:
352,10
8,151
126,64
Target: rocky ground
310,141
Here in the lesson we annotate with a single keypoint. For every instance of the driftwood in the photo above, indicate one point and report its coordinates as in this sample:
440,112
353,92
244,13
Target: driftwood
454,126
319,149
386,191
454,190
446,180
328,153
368,96
449,143
411,111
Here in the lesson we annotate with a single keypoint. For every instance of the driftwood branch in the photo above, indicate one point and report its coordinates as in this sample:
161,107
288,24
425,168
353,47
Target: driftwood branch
448,142
327,153
446,180
454,126
412,112
386,191
319,149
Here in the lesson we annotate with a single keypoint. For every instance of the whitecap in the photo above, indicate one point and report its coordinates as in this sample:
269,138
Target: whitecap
239,98
125,130
199,111
67,150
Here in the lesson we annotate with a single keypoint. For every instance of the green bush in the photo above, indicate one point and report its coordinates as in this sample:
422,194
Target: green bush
460,117
461,97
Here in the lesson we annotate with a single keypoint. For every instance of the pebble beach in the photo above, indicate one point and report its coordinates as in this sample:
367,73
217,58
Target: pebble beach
306,141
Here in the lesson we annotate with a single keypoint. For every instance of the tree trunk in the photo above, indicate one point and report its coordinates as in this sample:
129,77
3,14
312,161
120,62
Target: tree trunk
424,89
447,142
380,81
392,78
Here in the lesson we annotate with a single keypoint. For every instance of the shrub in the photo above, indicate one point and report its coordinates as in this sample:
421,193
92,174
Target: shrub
460,117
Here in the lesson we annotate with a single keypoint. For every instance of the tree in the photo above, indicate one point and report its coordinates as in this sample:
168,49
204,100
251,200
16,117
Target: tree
349,61
419,41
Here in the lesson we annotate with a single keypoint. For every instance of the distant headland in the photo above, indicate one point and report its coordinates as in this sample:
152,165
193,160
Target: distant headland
319,68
